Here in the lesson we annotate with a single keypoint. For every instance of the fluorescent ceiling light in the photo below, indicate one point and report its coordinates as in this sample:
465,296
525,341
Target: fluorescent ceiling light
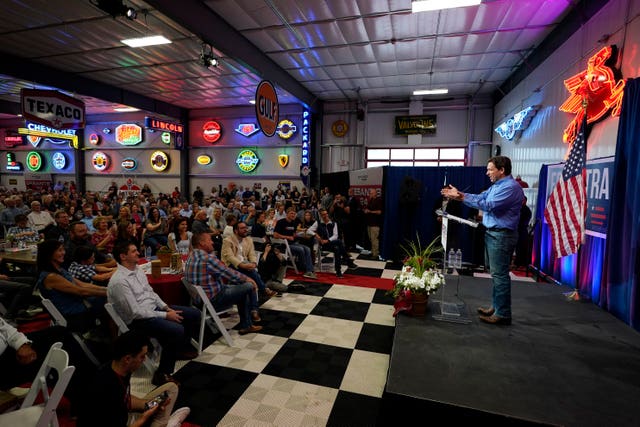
252,101
427,5
146,41
125,109
431,92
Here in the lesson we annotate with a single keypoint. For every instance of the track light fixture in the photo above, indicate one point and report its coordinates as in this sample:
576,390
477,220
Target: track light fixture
207,58
117,8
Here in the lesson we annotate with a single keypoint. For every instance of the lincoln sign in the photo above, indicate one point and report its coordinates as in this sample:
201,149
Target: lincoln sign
52,108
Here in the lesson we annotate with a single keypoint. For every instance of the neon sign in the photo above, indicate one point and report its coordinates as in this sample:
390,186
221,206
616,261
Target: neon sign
100,161
34,161
94,139
516,124
128,134
247,161
286,129
211,131
129,164
247,129
204,159
283,159
598,86
35,132
12,140
59,160
166,137
163,125
159,161
305,168
12,165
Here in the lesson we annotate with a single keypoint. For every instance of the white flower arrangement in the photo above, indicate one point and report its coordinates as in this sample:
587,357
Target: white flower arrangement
429,282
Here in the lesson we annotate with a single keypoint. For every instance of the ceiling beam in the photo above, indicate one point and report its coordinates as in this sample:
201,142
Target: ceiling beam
25,69
198,18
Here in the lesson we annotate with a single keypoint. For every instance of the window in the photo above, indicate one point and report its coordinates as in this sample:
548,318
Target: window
422,157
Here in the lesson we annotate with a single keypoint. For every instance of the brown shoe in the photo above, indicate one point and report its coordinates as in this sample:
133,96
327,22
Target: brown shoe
255,317
251,329
486,311
496,320
160,378
187,355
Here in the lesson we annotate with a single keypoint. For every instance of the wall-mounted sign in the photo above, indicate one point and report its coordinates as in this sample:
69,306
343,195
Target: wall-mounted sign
286,129
163,125
247,129
34,161
166,137
100,161
283,159
247,161
52,108
204,159
128,134
94,139
12,165
339,128
129,164
597,84
35,131
515,125
59,160
159,161
416,125
305,165
211,131
267,108
12,140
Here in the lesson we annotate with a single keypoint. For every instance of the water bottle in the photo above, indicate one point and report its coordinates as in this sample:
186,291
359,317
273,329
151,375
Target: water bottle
459,259
147,253
61,238
451,259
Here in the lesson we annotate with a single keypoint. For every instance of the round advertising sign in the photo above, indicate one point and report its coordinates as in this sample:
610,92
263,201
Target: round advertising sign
100,161
159,161
247,160
59,160
129,164
34,161
211,131
267,107
286,129
94,139
204,159
339,128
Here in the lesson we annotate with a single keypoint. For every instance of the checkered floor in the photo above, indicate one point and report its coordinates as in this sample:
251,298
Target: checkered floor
324,351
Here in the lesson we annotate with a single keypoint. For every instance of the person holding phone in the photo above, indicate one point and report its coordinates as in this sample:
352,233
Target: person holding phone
109,403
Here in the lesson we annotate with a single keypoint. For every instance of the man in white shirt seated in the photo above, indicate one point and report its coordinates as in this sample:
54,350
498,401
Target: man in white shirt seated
142,309
38,218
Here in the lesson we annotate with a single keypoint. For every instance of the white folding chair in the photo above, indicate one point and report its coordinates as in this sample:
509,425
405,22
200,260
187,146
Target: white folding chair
58,319
287,254
151,363
43,415
320,257
207,314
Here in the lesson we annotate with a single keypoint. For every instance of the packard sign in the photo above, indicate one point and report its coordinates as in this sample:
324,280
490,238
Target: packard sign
416,125
52,108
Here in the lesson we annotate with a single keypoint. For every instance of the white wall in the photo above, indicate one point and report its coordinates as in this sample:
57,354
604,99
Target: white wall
542,142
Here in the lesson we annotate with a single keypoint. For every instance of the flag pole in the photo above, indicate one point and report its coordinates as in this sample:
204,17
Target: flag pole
574,295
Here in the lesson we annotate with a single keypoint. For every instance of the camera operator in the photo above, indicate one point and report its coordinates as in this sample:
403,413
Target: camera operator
109,403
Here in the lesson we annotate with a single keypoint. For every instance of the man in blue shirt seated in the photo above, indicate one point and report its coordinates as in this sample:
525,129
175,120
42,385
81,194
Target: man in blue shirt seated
500,204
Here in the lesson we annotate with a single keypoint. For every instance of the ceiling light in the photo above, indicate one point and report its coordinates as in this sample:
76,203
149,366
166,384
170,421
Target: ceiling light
117,8
252,101
125,109
427,5
431,92
146,41
207,58
131,13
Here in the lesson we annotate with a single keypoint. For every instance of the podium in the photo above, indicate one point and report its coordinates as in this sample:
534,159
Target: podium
451,311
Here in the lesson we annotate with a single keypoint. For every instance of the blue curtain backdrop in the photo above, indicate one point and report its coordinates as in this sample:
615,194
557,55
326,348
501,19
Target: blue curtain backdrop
622,272
402,221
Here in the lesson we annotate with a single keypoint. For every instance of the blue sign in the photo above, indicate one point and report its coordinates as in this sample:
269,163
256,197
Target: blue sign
599,184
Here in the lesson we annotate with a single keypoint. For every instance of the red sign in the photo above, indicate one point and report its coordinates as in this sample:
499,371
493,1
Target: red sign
52,108
163,125
267,108
211,131
12,141
128,134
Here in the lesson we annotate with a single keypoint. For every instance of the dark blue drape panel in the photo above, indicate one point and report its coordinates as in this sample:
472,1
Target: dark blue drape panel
402,222
622,272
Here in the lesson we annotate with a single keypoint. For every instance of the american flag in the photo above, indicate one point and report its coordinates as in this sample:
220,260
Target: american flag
566,208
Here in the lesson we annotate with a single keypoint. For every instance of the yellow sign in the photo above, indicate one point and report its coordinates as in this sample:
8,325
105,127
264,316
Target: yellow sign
159,161
72,138
283,159
339,128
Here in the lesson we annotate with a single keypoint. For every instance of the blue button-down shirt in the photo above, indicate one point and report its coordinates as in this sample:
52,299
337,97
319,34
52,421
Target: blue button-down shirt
500,203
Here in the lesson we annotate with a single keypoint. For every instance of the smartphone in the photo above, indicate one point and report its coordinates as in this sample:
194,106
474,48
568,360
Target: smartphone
156,401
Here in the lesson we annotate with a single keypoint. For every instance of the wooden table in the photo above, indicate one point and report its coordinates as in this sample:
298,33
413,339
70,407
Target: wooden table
169,287
22,256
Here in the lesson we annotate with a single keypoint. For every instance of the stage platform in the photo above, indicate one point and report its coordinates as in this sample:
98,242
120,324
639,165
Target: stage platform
561,362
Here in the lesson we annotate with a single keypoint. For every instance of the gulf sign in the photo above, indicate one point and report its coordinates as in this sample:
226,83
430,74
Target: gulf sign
211,131
128,134
52,108
267,108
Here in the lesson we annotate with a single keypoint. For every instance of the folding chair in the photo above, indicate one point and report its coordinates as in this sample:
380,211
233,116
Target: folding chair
150,363
320,257
208,313
58,319
44,414
287,254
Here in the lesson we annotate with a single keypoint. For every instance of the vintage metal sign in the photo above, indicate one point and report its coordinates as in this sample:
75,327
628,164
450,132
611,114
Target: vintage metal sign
52,108
416,125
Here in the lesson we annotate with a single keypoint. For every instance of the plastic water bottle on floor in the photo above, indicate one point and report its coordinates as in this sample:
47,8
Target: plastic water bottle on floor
458,259
451,258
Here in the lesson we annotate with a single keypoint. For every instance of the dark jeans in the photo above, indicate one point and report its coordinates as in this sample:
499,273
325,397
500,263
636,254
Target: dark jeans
173,337
339,252
241,294
17,293
155,241
499,248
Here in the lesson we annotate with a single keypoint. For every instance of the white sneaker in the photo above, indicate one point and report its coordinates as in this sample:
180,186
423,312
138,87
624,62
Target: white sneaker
178,417
310,275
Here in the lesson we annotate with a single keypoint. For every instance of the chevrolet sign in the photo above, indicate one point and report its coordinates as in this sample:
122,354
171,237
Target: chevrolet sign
52,108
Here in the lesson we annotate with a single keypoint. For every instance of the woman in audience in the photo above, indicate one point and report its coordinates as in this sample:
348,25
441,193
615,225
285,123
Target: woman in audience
301,232
180,238
127,233
104,238
155,235
67,293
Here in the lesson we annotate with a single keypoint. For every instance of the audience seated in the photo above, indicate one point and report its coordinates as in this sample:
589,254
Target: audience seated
155,235
59,230
22,233
286,229
17,294
127,233
180,238
326,232
104,236
38,218
142,309
204,269
79,236
84,268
